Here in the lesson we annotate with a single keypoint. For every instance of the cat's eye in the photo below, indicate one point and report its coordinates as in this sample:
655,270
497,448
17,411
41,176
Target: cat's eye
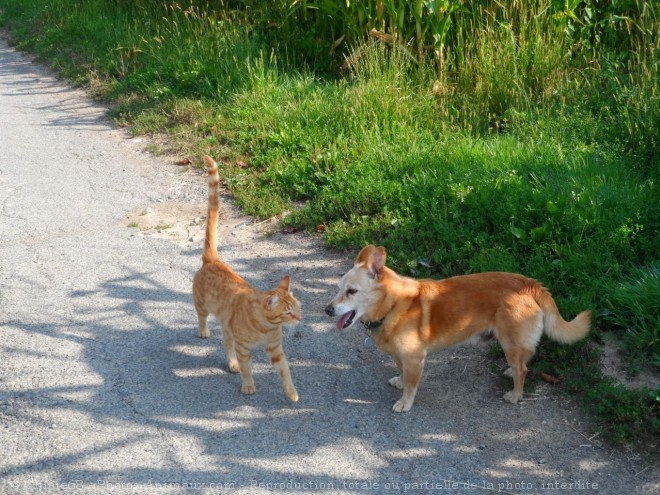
350,292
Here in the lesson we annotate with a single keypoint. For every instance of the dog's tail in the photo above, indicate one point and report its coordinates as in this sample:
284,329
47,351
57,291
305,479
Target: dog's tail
565,332
210,254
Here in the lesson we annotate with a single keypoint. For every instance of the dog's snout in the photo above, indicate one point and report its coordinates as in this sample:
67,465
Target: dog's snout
330,310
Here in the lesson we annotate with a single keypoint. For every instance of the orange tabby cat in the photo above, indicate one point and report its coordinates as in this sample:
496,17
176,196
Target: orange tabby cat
248,316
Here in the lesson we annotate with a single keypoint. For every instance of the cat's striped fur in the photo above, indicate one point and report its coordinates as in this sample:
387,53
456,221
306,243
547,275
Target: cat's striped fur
248,316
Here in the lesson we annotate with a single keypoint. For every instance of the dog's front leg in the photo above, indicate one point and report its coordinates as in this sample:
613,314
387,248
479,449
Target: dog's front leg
412,367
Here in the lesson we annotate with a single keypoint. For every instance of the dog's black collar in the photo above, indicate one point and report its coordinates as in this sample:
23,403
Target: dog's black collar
373,325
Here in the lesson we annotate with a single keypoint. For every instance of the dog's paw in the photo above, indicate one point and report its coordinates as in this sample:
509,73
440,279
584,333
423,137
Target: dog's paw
401,406
248,389
512,397
508,372
396,382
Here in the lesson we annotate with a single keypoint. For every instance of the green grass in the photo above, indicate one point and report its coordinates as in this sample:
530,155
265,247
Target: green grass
633,306
535,150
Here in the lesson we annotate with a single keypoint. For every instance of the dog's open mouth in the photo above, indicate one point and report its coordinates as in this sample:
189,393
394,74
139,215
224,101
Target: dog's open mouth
345,320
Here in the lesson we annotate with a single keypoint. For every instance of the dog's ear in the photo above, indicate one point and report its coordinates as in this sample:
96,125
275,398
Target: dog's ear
378,258
364,255
373,258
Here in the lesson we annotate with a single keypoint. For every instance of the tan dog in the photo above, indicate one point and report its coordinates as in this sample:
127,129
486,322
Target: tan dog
412,317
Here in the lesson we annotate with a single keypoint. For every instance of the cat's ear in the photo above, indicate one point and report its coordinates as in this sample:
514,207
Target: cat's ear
284,283
272,301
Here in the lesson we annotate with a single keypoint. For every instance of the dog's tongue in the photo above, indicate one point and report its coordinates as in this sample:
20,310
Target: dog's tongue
341,323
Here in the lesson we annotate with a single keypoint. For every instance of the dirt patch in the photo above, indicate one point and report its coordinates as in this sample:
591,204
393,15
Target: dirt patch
182,218
176,221
614,366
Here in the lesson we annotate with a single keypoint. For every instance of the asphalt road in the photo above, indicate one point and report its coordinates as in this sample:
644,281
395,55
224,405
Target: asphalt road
105,387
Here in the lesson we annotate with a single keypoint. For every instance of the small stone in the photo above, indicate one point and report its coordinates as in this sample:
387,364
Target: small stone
542,461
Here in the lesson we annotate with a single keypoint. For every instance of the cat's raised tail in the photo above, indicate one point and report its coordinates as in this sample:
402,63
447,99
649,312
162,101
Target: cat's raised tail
210,254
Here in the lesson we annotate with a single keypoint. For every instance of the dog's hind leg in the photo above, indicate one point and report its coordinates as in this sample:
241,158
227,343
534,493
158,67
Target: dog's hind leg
519,341
411,373
517,359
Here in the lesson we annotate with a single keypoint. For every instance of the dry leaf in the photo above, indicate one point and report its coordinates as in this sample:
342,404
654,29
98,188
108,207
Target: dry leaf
185,161
550,378
320,228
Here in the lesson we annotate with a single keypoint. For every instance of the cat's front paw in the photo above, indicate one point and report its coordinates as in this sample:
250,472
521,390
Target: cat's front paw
248,389
292,394
234,367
